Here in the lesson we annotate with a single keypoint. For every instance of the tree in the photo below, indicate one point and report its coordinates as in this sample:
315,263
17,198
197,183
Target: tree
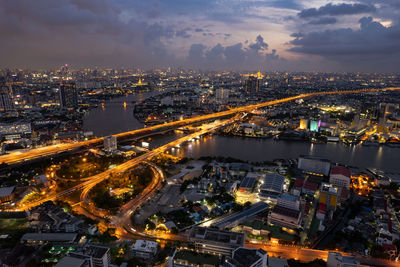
377,251
247,204
394,186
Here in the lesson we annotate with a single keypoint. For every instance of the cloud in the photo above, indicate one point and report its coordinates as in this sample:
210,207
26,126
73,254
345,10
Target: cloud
371,47
240,56
323,21
183,33
336,10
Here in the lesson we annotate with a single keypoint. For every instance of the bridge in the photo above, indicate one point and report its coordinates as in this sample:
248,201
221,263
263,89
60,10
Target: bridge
123,220
18,157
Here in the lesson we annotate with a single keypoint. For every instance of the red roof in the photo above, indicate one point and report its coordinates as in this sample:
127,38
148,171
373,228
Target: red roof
197,208
341,170
389,247
322,207
307,208
344,193
298,183
310,186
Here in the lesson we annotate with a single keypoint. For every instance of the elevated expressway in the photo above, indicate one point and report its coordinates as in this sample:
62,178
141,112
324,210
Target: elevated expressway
19,157
123,220
89,183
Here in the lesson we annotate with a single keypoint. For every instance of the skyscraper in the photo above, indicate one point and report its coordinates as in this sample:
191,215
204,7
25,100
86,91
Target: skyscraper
221,93
68,95
5,96
254,83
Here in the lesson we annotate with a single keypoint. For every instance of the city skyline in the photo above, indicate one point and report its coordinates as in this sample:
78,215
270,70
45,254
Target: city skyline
290,35
210,133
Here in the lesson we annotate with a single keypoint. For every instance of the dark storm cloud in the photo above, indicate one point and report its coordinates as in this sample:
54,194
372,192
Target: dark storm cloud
48,33
372,47
336,10
239,56
323,21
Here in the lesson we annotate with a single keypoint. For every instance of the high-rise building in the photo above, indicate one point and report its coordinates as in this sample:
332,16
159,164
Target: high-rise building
68,95
254,83
328,196
5,102
221,93
303,124
110,143
5,96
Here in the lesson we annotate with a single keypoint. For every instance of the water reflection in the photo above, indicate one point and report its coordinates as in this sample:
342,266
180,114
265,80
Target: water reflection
116,118
382,157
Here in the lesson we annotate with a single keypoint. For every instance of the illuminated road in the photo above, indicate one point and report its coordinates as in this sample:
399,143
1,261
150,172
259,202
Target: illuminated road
302,254
93,180
17,157
307,254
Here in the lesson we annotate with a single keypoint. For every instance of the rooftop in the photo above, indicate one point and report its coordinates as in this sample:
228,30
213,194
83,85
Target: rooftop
310,186
196,258
298,183
273,182
69,261
329,188
239,216
286,211
144,245
313,158
96,251
55,237
246,256
341,170
6,191
209,234
277,262
248,182
288,197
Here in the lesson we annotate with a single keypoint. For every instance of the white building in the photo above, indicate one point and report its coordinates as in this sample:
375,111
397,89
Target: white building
99,255
209,240
285,217
314,165
335,259
340,177
144,249
110,143
289,201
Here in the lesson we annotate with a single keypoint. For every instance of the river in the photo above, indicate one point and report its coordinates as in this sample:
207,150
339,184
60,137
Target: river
116,118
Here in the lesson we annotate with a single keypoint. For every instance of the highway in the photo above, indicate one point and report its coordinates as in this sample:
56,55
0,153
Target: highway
18,157
302,254
307,254
90,182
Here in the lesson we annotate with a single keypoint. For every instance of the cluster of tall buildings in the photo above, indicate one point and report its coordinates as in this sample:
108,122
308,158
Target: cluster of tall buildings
254,83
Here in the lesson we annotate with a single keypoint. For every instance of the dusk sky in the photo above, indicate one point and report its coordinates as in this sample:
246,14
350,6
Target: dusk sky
289,35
